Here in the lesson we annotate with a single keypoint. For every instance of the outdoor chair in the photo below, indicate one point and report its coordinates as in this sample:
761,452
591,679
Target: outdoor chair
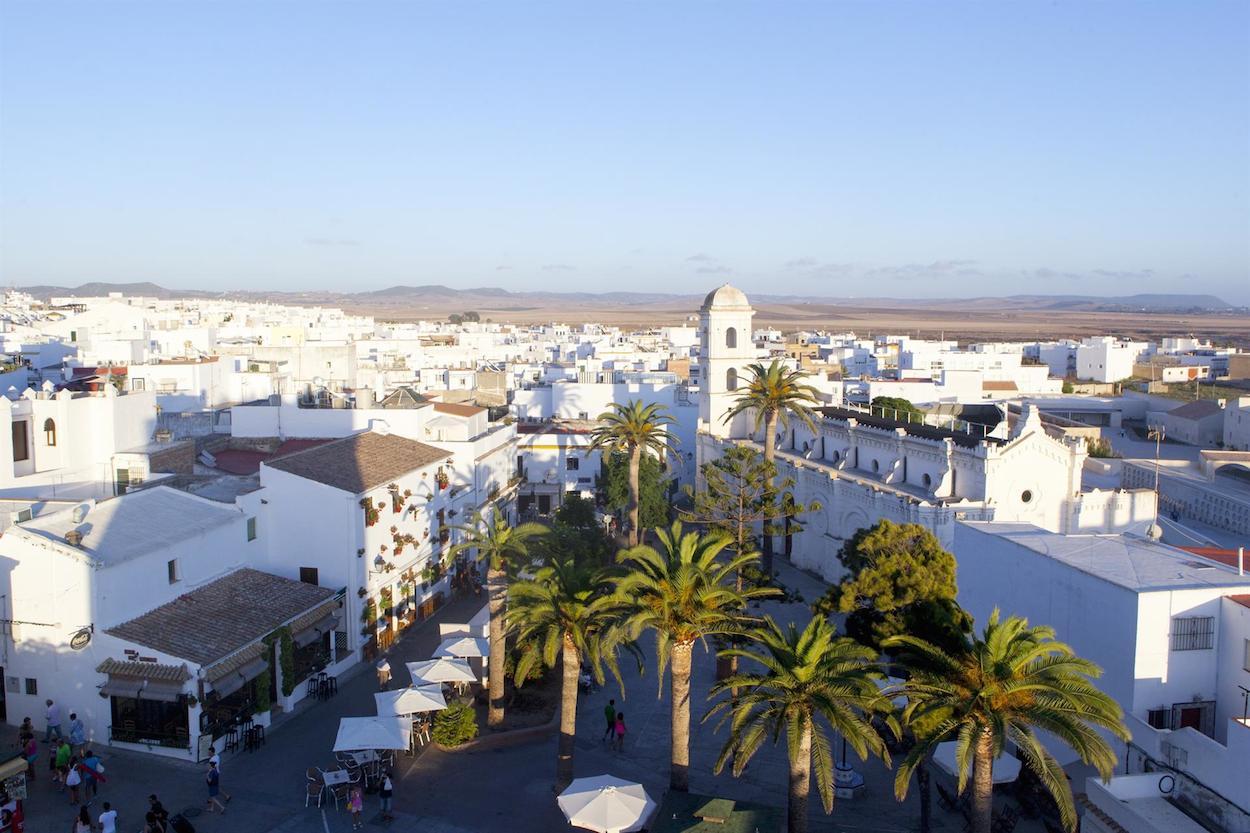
313,792
310,688
313,774
1006,821
339,793
232,739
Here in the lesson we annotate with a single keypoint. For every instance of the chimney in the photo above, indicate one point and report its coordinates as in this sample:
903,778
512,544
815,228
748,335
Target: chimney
73,538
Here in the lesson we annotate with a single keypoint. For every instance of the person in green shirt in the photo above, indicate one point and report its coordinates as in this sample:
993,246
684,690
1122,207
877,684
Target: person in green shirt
63,754
609,713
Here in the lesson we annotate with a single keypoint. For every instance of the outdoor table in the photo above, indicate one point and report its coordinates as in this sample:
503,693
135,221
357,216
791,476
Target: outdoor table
336,776
368,756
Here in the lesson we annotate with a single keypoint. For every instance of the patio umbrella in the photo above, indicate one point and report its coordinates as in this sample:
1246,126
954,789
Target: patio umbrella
463,646
357,733
441,670
411,700
1006,767
606,804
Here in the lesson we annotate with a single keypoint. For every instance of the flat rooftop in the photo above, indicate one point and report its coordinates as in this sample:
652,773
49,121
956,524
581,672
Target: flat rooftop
136,523
1129,561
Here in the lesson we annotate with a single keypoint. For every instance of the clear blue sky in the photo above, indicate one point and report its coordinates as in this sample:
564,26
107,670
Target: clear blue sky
929,148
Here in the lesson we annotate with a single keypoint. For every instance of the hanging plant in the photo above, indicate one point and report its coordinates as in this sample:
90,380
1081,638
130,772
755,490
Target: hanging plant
372,513
394,529
361,592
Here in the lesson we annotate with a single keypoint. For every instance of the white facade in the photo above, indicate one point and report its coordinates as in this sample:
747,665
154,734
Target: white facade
1106,359
1161,623
726,348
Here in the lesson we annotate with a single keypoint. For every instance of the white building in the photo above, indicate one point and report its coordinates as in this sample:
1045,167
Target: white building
555,460
860,467
139,614
1170,630
1107,359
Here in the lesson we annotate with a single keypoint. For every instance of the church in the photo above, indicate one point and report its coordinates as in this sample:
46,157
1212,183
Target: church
859,467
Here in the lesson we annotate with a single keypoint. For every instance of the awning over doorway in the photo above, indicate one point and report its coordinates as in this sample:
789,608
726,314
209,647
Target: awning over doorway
143,680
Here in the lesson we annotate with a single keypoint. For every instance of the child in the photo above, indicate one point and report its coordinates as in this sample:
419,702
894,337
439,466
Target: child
620,731
356,804
73,778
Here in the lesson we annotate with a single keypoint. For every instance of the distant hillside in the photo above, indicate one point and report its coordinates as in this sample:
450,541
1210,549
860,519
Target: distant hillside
437,297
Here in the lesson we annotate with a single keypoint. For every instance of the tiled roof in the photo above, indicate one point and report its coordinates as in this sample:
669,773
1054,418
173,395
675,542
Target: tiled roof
1242,599
1007,385
1199,409
237,661
144,670
360,462
218,619
458,409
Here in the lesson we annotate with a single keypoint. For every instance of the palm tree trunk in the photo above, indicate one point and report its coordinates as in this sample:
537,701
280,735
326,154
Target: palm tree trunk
800,783
496,590
635,463
770,456
679,777
983,783
570,666
926,803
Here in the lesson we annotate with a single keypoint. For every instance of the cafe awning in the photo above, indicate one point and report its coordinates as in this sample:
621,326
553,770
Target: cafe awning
314,625
234,672
143,680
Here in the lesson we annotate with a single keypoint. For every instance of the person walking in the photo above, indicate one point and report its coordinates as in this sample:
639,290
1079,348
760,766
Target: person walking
61,763
157,809
356,805
82,823
609,714
386,792
108,819
53,717
620,731
73,780
31,753
92,775
384,675
77,734
213,779
215,760
151,824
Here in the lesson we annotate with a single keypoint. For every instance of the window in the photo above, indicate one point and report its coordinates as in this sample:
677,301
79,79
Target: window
1246,661
928,481
21,450
572,464
137,384
731,379
251,529
32,686
1193,633
731,339
171,567
308,575
49,432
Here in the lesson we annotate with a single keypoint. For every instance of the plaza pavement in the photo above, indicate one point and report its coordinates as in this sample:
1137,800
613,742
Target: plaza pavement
504,789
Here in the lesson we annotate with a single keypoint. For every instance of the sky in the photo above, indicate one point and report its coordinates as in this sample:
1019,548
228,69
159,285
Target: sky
928,149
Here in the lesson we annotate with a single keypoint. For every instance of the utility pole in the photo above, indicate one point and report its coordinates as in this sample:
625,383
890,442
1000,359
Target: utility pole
1157,433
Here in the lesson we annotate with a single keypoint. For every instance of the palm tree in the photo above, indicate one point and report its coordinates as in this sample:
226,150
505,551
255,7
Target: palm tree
633,429
683,591
1004,686
568,611
502,547
812,681
772,395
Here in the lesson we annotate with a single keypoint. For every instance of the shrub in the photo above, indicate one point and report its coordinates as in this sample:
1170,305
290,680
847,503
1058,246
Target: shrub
1099,447
454,725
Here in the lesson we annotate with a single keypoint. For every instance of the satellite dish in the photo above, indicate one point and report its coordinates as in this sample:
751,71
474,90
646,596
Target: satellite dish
81,639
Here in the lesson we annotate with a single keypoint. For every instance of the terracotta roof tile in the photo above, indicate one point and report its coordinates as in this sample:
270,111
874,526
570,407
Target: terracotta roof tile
144,670
360,462
219,619
458,409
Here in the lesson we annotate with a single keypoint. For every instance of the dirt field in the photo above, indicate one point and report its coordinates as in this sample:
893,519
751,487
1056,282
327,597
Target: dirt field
972,325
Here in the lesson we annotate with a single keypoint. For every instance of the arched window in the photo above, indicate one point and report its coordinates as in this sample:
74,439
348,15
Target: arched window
731,338
731,379
49,432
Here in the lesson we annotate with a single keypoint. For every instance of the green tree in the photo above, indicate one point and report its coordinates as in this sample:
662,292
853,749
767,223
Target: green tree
504,548
1067,386
896,407
772,395
470,315
812,682
636,430
653,489
455,318
899,580
1005,686
569,612
683,591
